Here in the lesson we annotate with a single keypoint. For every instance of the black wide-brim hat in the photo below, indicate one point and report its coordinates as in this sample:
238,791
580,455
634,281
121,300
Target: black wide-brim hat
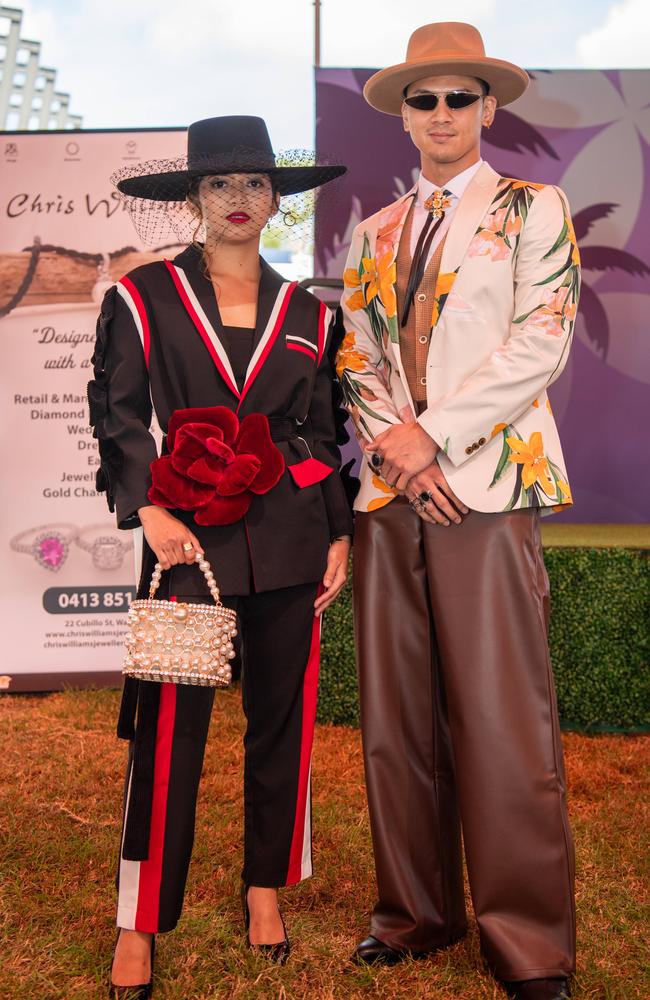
228,144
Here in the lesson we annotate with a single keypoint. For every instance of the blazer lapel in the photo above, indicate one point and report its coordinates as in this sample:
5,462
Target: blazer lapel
390,226
197,295
391,223
270,284
272,304
471,209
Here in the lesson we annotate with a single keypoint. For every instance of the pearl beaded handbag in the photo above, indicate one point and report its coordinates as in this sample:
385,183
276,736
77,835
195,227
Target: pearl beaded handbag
179,643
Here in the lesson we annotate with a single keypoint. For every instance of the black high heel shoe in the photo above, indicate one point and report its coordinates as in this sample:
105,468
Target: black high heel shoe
278,952
140,992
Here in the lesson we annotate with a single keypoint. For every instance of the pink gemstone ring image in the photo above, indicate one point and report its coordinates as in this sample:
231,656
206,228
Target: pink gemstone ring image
51,551
49,544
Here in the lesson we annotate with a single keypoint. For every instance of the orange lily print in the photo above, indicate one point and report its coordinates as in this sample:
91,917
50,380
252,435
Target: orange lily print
372,285
352,280
383,487
530,455
538,476
444,285
349,357
379,277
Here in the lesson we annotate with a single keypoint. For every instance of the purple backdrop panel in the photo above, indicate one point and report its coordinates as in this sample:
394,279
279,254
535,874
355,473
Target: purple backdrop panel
589,132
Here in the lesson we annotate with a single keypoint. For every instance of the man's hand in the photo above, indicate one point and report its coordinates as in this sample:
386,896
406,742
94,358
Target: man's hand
444,505
406,450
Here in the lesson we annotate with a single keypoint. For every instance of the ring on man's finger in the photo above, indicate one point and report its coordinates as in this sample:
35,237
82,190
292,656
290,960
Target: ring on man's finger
376,460
425,496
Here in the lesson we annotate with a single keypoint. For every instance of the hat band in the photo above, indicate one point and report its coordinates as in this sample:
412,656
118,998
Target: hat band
245,160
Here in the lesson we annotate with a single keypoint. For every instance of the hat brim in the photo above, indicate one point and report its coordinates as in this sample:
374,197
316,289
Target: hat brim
174,185
384,90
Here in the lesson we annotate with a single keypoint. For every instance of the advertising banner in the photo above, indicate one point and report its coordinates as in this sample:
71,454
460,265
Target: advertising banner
589,132
67,572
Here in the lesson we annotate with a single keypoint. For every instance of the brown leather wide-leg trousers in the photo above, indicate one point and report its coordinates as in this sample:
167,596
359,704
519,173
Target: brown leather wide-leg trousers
460,728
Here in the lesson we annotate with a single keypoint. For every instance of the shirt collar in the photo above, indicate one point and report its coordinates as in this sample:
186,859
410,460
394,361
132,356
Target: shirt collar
457,185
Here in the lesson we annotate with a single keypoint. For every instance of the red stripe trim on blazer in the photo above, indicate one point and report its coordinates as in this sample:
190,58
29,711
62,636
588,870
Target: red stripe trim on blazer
140,312
272,337
205,337
305,350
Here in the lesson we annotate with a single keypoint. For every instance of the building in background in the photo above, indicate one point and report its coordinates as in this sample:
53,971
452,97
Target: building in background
28,96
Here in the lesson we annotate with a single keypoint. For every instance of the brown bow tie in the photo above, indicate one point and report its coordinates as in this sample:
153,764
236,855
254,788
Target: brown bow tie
436,205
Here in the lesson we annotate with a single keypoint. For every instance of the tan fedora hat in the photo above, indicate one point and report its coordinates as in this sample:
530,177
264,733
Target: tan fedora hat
445,48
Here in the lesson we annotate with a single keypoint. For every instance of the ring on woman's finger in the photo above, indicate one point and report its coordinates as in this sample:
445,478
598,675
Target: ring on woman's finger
376,460
187,546
425,496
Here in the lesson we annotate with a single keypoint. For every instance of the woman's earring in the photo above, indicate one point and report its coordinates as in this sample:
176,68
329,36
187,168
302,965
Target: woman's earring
289,218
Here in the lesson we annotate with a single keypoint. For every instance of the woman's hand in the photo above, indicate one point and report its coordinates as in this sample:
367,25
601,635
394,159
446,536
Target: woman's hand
167,535
335,575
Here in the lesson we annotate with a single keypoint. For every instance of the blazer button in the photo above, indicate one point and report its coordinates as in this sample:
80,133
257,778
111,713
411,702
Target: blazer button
469,450
481,442
422,297
423,380
424,340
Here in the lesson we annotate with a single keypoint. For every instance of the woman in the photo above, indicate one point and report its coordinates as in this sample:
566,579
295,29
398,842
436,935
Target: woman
217,330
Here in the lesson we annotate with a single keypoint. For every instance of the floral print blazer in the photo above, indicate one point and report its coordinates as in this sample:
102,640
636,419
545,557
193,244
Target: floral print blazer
502,321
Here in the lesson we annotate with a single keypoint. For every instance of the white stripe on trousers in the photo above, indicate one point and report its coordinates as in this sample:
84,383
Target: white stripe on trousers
306,860
129,878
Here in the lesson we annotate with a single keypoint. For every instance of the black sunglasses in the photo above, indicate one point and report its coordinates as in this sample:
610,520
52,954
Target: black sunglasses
455,101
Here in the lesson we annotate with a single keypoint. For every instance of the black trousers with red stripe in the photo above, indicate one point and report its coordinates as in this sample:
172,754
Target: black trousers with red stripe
280,652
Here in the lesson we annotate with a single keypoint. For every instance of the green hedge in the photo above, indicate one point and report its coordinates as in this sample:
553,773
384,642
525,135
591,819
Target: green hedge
599,638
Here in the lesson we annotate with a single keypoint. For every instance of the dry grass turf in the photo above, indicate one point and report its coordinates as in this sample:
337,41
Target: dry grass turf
60,792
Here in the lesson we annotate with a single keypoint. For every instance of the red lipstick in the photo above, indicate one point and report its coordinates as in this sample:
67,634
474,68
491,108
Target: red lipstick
238,218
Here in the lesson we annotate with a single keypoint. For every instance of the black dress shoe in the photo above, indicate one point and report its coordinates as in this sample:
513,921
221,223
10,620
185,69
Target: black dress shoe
141,992
278,952
539,989
372,951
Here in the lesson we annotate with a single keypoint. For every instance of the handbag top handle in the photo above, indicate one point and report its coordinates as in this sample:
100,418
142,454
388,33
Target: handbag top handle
204,566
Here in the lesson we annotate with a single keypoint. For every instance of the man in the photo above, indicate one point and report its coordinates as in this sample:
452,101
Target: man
459,305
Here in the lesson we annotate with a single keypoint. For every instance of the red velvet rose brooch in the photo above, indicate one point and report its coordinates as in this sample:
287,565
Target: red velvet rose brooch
215,464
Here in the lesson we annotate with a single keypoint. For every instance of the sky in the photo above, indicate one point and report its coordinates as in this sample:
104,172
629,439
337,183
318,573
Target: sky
134,63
